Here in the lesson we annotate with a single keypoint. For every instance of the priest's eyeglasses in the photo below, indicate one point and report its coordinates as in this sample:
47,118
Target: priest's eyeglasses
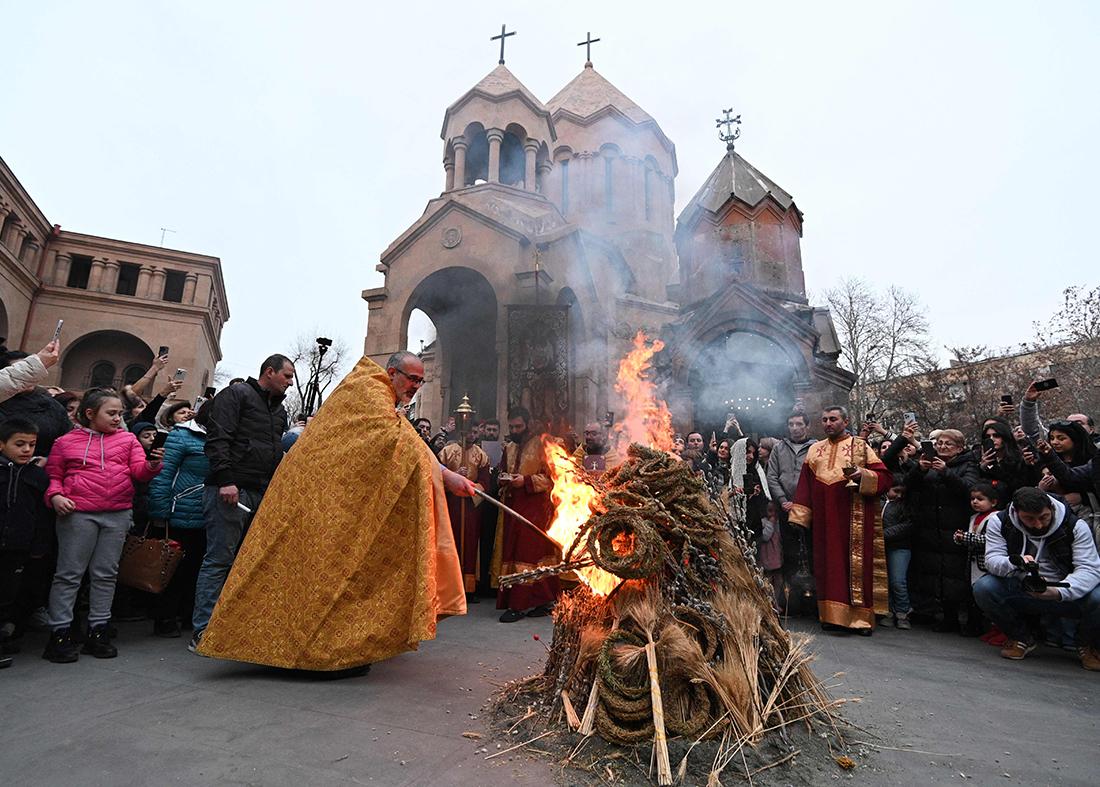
412,378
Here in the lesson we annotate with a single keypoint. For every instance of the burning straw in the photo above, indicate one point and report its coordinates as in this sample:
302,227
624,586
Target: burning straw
672,631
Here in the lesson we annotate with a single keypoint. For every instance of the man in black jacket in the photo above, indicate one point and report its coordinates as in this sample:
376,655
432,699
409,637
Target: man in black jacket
244,431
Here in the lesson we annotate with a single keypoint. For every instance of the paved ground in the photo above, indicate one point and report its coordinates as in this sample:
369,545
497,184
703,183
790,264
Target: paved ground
159,715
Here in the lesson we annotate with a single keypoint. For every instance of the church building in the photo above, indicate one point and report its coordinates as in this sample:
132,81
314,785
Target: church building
554,241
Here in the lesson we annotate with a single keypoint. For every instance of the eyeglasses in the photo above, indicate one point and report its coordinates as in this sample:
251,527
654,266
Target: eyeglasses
944,443
412,378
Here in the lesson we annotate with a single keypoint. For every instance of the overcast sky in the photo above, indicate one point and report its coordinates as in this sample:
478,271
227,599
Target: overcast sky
950,148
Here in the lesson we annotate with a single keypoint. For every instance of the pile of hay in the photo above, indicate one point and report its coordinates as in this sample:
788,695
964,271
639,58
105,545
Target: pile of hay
689,644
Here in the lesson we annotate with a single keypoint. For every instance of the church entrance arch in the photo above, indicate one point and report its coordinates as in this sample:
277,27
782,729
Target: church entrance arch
746,374
462,306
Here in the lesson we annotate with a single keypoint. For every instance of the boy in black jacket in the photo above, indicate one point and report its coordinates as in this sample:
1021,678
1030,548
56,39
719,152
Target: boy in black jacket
24,519
896,528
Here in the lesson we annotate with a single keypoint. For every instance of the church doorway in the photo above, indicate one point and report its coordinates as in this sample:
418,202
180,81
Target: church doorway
462,306
746,374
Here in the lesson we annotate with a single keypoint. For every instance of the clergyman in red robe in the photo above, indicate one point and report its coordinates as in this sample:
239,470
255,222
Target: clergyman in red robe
525,487
837,498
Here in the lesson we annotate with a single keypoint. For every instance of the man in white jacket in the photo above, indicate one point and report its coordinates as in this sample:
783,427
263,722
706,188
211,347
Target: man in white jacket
1041,530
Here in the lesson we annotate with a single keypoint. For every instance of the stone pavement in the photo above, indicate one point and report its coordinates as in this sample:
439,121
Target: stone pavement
159,715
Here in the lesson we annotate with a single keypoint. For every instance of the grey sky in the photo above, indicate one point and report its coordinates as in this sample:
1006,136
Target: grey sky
946,147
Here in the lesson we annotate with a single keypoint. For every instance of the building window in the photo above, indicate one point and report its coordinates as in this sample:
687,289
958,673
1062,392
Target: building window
564,186
173,286
79,272
103,375
127,278
607,186
132,373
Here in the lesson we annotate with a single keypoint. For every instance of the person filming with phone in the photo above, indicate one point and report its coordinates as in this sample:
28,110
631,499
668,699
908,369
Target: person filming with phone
1041,561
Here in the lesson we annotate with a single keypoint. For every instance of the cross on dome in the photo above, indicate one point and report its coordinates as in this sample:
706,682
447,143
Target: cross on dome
501,38
588,42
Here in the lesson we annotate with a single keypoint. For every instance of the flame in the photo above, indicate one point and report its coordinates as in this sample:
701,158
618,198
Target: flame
647,421
574,502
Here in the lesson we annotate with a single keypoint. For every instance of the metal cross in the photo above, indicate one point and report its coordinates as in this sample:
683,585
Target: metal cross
729,136
502,36
588,42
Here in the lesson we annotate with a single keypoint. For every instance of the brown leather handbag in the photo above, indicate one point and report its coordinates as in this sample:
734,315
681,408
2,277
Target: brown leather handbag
149,563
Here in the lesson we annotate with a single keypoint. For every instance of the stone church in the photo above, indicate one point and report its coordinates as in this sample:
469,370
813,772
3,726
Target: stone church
554,241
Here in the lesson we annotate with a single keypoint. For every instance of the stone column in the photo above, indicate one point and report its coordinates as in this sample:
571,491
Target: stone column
62,263
449,171
495,136
190,282
156,284
544,168
32,255
95,278
459,145
110,276
530,149
15,240
144,275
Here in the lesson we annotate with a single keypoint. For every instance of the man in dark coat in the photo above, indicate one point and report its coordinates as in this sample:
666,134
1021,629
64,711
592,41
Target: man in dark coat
244,432
938,492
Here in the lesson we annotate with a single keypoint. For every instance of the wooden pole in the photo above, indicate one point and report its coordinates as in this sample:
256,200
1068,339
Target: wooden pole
517,516
660,741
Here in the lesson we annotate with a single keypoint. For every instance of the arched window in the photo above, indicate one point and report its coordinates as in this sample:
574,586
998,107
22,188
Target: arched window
132,374
103,375
477,155
9,220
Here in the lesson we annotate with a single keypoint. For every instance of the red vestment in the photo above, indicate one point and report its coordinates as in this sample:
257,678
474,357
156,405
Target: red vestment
464,513
849,551
520,548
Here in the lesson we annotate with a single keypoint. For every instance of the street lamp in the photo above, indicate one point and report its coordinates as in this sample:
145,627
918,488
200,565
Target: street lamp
313,387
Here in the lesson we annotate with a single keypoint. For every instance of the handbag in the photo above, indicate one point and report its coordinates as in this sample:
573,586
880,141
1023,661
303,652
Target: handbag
149,563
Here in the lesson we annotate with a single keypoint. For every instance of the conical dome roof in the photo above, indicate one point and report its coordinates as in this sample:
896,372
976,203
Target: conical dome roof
590,92
735,177
498,86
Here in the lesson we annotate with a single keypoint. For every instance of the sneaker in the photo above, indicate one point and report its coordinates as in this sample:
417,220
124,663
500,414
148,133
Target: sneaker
1015,649
98,643
511,616
60,649
8,642
887,621
193,645
39,620
541,611
169,628
1090,658
903,622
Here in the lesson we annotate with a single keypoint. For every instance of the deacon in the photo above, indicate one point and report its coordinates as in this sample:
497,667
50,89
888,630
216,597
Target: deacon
350,559
596,454
472,463
837,493
525,487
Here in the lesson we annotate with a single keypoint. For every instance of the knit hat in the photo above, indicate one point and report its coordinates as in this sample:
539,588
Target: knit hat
138,427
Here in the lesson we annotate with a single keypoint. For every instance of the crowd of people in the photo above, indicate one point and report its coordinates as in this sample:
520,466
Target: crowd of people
992,536
86,471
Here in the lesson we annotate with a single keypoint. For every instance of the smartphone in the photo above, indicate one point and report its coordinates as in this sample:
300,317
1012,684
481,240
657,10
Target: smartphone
987,444
180,374
1046,385
57,330
910,418
158,441
162,351
1006,399
208,393
928,448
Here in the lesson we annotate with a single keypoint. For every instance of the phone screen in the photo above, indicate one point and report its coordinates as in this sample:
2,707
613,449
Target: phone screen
1046,385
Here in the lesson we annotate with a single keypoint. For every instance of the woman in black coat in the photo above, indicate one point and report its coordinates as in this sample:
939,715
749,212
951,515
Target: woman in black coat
938,497
1002,463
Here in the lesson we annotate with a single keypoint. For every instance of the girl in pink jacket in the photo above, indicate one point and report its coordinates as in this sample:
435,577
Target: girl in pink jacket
92,472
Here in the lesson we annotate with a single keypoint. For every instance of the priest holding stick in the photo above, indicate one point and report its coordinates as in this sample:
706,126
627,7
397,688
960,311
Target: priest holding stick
837,497
350,559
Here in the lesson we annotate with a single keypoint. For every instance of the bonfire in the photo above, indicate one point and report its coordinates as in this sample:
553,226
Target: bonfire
670,631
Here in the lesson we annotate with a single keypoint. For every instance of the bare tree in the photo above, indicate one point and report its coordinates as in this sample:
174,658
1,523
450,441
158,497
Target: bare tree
306,356
883,337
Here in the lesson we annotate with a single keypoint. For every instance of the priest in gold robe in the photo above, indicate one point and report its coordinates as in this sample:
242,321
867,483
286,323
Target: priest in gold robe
597,455
350,559
837,497
471,462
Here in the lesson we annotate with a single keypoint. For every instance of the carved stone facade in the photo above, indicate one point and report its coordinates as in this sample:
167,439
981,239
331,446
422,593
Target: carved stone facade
120,300
570,204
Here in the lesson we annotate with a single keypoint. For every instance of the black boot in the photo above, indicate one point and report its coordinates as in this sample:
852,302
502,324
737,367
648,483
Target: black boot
60,649
98,643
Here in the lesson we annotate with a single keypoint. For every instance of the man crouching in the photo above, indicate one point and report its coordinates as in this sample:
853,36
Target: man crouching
1039,541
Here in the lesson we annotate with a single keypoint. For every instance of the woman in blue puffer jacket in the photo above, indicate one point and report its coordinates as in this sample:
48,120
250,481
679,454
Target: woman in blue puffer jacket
175,496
